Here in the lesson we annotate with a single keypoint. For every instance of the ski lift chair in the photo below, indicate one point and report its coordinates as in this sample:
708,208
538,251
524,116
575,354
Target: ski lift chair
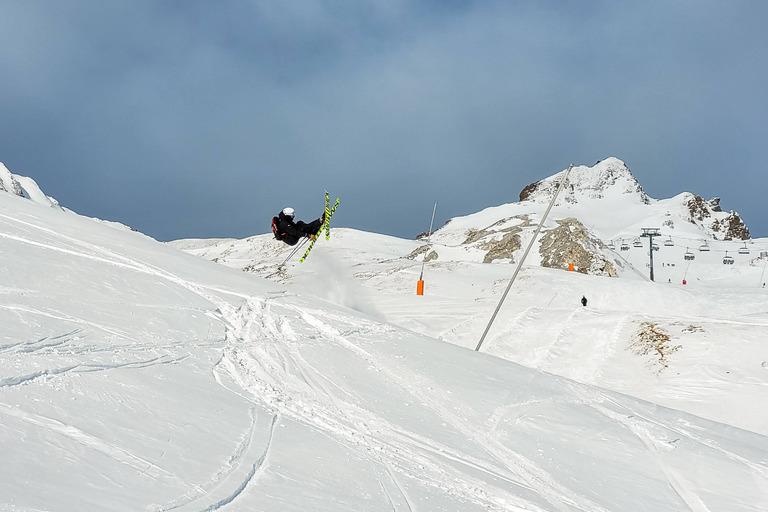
624,246
637,243
704,247
728,260
744,250
689,256
669,242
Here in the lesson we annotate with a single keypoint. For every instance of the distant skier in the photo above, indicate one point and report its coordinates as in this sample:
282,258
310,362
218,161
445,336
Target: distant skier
583,300
291,232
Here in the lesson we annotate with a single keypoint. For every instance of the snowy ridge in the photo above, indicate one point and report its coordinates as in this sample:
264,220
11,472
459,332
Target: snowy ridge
607,178
24,187
8,183
27,188
603,202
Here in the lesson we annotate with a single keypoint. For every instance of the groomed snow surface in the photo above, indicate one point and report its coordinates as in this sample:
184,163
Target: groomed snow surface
137,377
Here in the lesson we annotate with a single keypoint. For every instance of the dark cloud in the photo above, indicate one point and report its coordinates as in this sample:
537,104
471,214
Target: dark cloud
187,119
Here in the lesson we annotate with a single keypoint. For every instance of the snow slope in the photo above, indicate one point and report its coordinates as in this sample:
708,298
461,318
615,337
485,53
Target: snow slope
134,376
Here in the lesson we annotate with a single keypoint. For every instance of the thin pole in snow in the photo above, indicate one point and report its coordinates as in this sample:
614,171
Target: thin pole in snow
294,251
429,235
525,255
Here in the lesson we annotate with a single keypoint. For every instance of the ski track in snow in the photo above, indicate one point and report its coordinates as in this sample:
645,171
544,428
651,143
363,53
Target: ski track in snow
68,318
261,357
231,481
112,258
143,466
84,368
602,349
655,444
255,371
657,437
43,344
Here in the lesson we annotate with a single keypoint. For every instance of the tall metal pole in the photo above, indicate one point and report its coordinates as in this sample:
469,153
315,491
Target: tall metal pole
525,255
429,235
650,233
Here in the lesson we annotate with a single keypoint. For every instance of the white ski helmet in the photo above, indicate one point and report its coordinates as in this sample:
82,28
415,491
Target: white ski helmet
288,212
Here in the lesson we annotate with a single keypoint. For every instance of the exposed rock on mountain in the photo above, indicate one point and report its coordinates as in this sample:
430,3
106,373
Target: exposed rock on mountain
733,227
500,240
699,208
708,214
529,190
504,248
424,249
8,183
24,187
571,242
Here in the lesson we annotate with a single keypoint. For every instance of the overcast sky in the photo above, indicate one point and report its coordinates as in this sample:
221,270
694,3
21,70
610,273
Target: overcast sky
204,118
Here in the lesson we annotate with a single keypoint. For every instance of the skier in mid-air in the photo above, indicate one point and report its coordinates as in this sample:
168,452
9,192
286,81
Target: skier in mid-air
291,232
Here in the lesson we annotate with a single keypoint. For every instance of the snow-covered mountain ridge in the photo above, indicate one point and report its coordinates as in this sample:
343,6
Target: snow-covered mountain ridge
611,180
27,188
607,177
606,208
23,186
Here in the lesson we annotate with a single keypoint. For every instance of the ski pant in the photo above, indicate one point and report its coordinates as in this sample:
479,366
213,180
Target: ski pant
308,228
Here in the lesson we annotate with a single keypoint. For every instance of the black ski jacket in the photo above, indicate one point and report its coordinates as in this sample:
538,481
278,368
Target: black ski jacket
291,232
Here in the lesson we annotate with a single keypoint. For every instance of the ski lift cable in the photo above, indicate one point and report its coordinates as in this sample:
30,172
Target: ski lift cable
706,246
747,244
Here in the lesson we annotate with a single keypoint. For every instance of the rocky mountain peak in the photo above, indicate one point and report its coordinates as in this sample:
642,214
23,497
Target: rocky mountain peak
25,187
8,182
607,177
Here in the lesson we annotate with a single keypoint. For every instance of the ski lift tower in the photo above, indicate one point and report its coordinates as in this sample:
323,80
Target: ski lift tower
650,233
